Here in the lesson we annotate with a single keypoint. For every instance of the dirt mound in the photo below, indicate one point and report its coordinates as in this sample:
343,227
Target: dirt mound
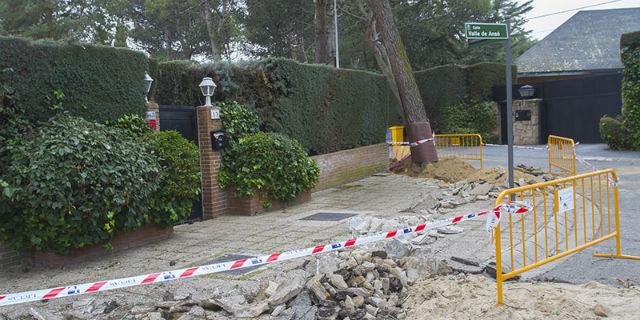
447,170
498,176
453,170
474,297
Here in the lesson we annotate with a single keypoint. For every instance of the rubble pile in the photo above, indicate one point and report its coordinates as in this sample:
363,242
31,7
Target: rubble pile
356,284
479,186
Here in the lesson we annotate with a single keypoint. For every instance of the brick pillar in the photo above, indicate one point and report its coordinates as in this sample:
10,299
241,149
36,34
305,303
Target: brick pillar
214,200
153,113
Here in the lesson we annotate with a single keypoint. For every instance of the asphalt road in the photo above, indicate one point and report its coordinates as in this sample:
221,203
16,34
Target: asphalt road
583,267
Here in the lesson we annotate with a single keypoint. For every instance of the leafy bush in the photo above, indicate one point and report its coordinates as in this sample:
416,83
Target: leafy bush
179,161
179,183
238,120
276,166
135,124
471,117
73,184
99,83
614,133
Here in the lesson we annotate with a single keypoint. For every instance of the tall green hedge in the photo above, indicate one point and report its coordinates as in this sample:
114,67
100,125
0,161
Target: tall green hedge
326,109
445,86
630,51
323,108
99,83
623,132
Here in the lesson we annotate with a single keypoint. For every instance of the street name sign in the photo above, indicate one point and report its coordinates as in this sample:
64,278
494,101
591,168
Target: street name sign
498,31
489,31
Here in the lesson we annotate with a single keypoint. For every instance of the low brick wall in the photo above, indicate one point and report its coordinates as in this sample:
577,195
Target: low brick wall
335,169
11,259
350,165
253,206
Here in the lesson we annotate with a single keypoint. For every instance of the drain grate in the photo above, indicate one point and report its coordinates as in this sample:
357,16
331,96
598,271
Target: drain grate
329,216
233,257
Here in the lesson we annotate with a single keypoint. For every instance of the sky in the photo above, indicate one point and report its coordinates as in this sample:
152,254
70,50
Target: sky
541,27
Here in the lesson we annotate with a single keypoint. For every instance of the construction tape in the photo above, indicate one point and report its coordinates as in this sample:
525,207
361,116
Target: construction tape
419,142
515,147
412,144
165,276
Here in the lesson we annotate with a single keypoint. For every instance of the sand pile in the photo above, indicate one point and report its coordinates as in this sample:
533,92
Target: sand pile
474,297
447,170
452,170
498,176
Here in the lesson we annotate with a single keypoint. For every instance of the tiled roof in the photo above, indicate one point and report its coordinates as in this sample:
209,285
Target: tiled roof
590,40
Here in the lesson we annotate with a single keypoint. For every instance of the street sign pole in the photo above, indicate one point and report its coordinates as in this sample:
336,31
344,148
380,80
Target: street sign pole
498,31
507,57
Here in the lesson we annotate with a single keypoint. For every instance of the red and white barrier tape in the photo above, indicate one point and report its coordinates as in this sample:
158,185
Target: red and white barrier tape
106,285
412,144
516,147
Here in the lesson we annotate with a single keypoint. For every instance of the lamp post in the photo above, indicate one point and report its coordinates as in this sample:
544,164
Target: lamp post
335,25
148,81
207,86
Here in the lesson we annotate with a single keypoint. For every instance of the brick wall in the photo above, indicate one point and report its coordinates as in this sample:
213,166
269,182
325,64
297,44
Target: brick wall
349,165
214,200
153,111
252,206
9,259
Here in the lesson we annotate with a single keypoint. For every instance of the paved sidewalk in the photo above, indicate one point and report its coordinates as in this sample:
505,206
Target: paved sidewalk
380,195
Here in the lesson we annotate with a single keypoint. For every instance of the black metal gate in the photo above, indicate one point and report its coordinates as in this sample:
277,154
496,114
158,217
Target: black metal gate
184,120
573,107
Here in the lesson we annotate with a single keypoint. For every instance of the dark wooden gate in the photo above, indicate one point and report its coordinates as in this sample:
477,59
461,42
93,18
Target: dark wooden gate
573,107
184,120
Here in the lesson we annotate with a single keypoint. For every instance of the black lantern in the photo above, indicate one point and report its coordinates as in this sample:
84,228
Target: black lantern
527,91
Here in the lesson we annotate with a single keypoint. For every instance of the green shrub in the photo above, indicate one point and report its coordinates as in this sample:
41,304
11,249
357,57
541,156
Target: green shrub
179,183
133,123
74,183
614,133
99,83
471,117
238,120
276,166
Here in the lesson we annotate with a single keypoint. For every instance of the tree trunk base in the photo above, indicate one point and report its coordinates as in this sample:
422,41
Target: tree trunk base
424,152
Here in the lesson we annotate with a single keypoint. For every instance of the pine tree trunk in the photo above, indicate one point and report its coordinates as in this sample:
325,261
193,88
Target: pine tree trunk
410,100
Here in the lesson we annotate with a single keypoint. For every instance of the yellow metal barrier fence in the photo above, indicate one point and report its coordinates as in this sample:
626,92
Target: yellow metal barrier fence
567,215
463,146
562,154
